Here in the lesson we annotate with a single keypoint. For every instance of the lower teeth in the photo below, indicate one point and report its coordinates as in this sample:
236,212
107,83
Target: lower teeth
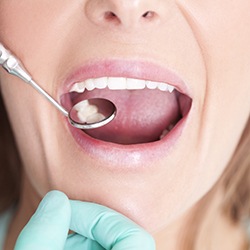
166,131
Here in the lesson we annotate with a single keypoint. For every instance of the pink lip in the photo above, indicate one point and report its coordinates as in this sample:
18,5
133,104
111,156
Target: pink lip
116,156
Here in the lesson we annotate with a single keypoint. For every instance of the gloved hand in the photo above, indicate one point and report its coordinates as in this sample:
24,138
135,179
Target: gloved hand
96,227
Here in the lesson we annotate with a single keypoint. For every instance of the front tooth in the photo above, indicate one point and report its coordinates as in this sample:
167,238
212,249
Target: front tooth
117,83
90,84
133,84
151,85
101,83
78,87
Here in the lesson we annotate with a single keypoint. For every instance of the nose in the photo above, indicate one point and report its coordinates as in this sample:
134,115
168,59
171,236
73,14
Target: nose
123,13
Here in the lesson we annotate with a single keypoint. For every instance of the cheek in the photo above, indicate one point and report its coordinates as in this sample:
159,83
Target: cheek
21,115
222,30
32,36
30,125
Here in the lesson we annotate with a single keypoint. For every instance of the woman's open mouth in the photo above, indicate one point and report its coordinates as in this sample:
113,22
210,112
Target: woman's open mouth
147,110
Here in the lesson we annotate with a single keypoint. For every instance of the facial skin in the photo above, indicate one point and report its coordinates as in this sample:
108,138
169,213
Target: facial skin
207,43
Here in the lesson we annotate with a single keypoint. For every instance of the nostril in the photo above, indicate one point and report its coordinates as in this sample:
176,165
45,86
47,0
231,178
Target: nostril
110,16
148,14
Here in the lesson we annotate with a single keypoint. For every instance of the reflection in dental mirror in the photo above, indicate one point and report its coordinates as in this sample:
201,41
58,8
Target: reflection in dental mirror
92,113
86,114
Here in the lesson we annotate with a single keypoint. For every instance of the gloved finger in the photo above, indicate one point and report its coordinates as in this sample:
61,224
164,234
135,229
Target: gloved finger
109,228
79,242
48,227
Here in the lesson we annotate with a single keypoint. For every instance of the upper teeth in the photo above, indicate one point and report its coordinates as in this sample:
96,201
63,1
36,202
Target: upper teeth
119,83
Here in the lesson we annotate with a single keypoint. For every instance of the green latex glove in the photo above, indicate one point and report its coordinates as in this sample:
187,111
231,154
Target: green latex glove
96,227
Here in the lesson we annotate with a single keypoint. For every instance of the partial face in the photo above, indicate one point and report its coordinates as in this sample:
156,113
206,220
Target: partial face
201,48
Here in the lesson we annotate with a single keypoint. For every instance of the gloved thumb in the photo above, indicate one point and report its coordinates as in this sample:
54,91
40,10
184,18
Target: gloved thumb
48,227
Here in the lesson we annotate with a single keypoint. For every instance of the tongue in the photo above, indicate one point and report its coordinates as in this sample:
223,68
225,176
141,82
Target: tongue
142,115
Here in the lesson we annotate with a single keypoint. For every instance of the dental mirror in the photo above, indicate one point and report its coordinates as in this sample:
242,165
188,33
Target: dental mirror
86,114
92,113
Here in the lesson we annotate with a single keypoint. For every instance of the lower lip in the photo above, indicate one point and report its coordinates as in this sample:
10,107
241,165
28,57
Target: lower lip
119,157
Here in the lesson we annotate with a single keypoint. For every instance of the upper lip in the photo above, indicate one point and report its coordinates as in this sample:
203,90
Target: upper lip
124,68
